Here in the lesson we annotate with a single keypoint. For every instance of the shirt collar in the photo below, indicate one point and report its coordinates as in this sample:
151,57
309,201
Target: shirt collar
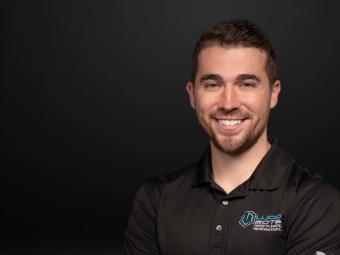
267,175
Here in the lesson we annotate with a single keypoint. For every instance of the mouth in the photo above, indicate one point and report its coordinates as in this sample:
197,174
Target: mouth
229,123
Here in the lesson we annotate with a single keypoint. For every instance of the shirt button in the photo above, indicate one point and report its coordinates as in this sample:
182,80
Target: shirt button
219,228
225,202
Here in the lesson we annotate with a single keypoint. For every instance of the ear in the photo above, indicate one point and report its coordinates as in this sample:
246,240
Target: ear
190,90
275,93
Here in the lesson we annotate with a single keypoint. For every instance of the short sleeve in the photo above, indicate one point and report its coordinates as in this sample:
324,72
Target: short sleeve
141,232
313,221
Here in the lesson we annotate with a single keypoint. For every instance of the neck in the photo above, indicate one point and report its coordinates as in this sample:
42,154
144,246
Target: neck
229,171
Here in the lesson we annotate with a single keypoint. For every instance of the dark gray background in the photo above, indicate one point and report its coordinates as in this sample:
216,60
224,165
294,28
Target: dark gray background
95,103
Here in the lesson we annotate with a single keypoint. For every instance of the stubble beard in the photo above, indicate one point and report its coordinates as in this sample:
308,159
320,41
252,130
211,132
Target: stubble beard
229,144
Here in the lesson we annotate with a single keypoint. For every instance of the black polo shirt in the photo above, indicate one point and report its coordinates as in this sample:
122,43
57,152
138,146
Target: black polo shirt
281,209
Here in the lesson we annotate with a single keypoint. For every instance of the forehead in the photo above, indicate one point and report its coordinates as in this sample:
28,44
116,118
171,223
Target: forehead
231,61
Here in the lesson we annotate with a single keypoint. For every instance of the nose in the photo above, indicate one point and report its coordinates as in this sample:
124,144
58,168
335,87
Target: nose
229,98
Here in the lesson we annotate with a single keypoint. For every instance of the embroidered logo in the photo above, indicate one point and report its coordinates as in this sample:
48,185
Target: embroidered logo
263,222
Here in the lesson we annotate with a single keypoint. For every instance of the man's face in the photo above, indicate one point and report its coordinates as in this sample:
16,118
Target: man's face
232,97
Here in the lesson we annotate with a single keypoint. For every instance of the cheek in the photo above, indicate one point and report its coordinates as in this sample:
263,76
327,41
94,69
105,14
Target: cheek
258,104
205,105
206,100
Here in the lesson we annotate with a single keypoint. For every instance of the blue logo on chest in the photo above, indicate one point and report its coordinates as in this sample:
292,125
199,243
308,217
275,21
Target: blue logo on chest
263,222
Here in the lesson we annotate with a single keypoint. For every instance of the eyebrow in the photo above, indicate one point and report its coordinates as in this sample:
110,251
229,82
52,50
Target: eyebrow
211,77
243,77
240,77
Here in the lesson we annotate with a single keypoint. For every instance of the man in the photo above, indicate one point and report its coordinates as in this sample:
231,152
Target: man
245,195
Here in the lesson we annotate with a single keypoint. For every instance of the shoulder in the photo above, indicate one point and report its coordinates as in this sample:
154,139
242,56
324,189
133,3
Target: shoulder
307,190
153,188
185,175
300,179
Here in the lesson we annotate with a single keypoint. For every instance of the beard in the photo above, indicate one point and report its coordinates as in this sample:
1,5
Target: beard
229,143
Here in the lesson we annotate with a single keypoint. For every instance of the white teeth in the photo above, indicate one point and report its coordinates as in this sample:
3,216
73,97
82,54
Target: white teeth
229,123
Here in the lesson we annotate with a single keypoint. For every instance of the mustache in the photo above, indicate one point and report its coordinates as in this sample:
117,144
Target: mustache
234,113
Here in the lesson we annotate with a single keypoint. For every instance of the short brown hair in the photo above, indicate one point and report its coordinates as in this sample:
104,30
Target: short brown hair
236,33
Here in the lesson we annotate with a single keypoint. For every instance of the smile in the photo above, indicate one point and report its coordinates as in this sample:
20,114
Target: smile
229,123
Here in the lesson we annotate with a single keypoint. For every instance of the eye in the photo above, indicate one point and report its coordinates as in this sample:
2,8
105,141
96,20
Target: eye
247,84
211,85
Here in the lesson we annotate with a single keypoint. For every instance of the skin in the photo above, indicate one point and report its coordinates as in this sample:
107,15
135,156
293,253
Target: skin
231,85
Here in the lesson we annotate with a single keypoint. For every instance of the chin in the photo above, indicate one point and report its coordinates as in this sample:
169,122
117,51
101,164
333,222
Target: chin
236,145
